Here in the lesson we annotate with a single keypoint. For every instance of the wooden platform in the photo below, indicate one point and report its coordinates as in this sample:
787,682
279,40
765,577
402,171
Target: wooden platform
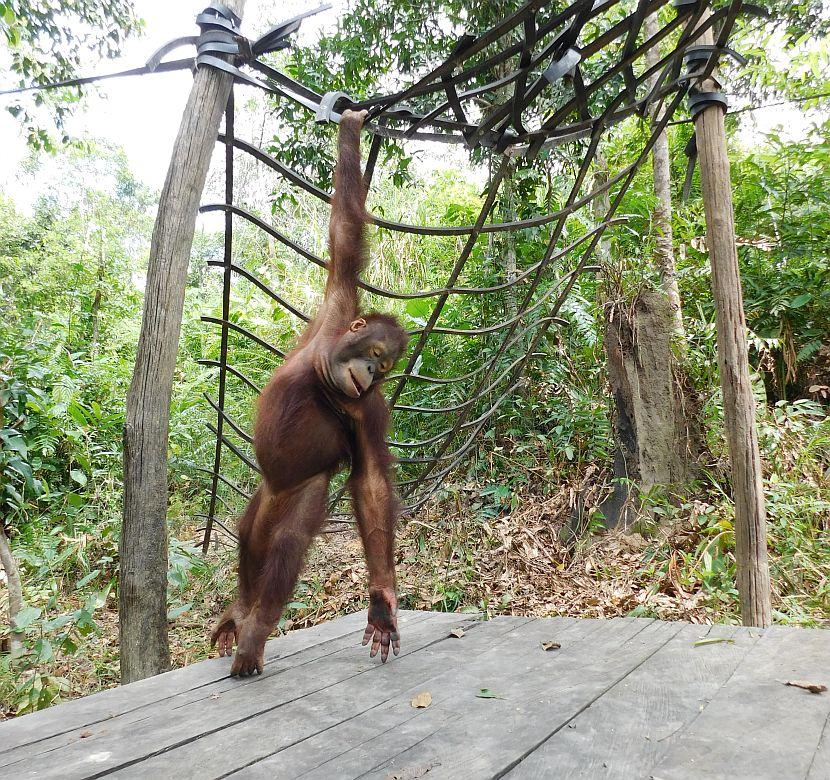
623,698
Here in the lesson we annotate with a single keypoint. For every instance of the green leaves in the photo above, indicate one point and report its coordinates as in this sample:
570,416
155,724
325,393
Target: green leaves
486,693
26,617
178,611
50,42
800,300
59,622
715,640
419,309
84,581
782,213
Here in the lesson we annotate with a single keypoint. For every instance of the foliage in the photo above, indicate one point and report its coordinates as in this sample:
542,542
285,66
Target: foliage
36,688
502,535
377,44
48,41
70,271
782,218
38,422
793,32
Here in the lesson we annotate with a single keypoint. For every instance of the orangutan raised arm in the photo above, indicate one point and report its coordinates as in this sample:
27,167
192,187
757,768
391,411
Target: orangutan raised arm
347,227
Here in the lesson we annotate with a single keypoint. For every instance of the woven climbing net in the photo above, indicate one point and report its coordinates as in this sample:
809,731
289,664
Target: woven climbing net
550,76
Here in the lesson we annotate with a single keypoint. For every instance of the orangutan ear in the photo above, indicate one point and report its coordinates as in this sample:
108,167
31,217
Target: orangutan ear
357,325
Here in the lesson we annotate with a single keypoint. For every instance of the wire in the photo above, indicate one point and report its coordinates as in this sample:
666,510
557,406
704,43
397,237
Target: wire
747,109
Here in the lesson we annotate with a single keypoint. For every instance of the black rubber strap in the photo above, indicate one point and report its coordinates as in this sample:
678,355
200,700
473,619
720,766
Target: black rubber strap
371,161
525,61
701,52
698,101
274,39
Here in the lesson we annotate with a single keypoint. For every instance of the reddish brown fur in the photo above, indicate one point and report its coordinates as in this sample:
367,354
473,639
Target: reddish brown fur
303,434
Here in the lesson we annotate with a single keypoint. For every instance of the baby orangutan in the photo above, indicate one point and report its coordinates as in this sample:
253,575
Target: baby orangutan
322,408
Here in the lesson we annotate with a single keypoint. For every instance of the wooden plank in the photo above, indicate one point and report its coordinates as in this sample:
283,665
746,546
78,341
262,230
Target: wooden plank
168,723
175,689
328,716
393,726
537,699
621,698
87,711
473,737
626,732
820,764
755,726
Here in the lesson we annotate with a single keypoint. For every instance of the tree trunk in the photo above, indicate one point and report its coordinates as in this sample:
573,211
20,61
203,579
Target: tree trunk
652,424
600,206
733,361
96,301
509,237
664,256
15,590
654,418
143,547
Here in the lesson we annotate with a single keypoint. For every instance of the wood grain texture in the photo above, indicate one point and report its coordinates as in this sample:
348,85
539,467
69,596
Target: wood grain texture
733,362
621,698
144,649
626,732
755,726
37,732
541,693
115,743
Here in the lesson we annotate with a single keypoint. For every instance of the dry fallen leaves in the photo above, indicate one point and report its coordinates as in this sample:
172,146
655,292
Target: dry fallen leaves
422,700
807,686
552,584
457,633
551,645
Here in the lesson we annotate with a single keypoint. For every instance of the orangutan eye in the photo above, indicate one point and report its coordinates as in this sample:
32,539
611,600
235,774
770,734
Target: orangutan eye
384,367
375,352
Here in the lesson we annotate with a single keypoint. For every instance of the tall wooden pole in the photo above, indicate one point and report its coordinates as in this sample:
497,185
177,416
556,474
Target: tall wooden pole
143,548
738,401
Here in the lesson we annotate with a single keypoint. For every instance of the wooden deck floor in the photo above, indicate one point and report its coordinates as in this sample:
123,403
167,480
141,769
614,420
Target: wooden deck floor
623,698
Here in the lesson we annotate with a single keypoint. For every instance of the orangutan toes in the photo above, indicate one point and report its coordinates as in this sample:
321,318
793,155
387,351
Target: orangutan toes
246,664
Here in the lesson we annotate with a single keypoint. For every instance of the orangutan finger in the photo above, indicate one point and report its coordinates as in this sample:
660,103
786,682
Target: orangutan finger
367,634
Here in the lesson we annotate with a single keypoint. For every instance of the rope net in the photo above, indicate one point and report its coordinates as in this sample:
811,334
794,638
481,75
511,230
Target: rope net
550,77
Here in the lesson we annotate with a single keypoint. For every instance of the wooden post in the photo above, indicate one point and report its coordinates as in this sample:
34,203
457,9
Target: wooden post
143,547
738,401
